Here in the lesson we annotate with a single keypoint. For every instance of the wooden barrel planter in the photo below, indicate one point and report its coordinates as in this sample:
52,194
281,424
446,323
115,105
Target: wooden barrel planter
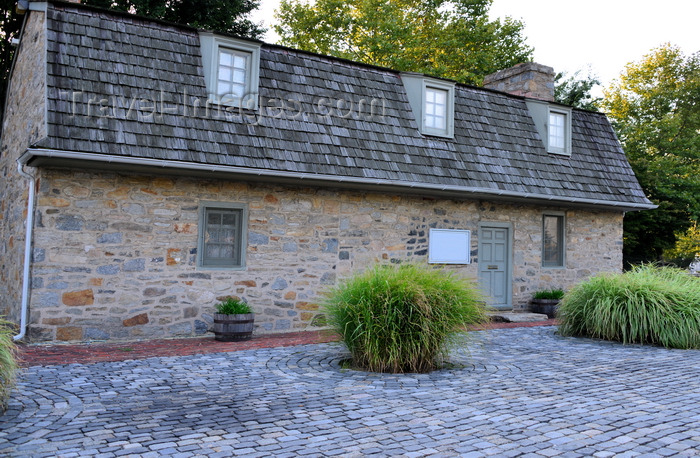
233,328
546,306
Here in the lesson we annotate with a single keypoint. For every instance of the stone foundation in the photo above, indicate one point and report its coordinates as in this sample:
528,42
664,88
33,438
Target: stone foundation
115,255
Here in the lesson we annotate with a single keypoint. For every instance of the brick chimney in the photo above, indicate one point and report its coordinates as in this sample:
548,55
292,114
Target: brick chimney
528,79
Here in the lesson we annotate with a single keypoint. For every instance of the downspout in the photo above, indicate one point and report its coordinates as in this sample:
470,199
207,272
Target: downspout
27,252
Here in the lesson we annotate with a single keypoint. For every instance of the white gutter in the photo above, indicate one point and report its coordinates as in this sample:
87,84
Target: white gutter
164,163
26,279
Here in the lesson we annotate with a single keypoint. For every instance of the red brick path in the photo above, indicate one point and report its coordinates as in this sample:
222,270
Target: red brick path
88,353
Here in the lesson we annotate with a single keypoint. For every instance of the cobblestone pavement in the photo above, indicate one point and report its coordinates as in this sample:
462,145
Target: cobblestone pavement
506,392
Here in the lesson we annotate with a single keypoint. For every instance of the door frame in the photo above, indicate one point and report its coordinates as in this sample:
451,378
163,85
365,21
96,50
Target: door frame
509,258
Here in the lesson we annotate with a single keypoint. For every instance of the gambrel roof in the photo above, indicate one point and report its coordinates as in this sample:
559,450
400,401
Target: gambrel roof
105,67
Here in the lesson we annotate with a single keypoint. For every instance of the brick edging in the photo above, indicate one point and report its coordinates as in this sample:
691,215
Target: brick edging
90,353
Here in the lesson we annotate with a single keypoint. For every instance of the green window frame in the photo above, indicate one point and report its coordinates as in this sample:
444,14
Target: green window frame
553,240
222,235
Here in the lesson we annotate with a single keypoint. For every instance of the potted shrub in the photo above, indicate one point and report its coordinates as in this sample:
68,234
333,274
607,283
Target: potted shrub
233,321
547,301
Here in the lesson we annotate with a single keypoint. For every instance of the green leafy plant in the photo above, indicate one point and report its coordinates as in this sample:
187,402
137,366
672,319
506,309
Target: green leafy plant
653,108
233,306
8,362
407,35
687,247
647,305
549,294
399,319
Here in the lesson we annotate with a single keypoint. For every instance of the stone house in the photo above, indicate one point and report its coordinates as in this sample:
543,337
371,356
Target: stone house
149,169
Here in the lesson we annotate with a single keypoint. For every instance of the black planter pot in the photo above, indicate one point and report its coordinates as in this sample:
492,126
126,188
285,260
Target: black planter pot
545,306
233,328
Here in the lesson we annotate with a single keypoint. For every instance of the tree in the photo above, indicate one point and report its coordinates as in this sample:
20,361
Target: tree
576,91
446,38
10,25
687,247
220,15
655,108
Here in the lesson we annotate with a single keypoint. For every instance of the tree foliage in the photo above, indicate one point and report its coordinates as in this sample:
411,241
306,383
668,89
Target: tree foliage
221,15
576,91
10,25
446,38
655,108
687,247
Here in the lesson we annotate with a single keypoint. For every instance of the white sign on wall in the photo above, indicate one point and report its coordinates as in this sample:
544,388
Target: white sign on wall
448,246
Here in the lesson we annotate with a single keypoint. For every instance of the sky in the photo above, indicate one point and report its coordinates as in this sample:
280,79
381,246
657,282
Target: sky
600,35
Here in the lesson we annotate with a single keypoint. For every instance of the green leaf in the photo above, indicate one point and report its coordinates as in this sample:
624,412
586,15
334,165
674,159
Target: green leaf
452,39
655,109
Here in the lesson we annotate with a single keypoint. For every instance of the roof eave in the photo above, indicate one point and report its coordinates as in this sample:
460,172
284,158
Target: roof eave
43,157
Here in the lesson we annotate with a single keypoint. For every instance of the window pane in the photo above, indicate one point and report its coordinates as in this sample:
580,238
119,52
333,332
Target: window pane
214,234
221,245
224,88
212,250
227,235
229,219
440,111
552,241
435,108
226,251
225,58
237,90
557,130
239,61
238,77
225,73
213,217
232,73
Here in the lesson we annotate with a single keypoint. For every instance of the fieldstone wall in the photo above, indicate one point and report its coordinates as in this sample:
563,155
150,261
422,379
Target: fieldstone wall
24,123
115,255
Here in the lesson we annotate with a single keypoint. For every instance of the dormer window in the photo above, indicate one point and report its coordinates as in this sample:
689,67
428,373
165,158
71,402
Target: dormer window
553,123
432,102
231,70
559,132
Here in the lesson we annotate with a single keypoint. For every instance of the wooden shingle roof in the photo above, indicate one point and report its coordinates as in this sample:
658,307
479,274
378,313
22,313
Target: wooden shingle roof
105,69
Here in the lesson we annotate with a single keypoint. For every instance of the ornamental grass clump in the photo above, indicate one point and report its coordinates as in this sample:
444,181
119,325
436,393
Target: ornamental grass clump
8,362
400,319
647,305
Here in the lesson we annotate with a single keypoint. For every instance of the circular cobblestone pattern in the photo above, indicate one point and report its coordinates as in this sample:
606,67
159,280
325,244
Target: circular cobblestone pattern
507,392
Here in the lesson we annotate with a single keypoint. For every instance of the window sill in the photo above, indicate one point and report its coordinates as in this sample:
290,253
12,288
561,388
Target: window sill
438,134
559,152
233,268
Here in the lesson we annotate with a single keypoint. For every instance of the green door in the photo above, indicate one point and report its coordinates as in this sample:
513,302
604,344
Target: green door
494,265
